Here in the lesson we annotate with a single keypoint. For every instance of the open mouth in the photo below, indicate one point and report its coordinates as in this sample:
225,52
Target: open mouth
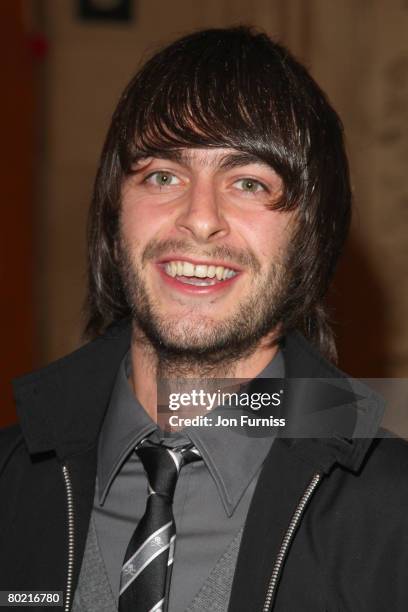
198,275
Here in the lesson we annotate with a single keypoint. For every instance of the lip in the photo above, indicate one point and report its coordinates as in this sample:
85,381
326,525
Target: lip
198,262
187,289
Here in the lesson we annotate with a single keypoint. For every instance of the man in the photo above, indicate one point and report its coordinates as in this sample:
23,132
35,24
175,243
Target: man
221,205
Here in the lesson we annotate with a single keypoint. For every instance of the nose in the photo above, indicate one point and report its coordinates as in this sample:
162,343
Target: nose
202,216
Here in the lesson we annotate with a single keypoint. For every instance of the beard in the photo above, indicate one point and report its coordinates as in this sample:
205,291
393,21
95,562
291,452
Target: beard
200,345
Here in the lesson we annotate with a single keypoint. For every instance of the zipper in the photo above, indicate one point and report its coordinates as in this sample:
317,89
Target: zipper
293,525
70,514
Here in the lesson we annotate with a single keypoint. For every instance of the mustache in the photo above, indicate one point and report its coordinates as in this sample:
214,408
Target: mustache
244,258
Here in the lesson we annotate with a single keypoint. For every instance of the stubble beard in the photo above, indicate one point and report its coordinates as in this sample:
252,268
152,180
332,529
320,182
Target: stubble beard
210,348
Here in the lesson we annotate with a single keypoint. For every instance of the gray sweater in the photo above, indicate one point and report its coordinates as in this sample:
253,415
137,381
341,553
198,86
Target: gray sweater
94,594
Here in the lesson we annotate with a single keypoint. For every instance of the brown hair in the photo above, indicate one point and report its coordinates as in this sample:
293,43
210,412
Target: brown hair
230,88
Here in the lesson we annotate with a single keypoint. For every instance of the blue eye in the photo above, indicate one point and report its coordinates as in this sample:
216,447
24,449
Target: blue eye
160,178
250,185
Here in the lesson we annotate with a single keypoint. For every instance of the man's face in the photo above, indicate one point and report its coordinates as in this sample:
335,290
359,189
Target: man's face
201,255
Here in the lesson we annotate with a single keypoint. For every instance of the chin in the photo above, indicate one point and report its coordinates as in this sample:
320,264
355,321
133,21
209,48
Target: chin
196,335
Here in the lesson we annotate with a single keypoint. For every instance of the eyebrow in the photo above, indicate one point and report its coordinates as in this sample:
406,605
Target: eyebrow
240,158
226,161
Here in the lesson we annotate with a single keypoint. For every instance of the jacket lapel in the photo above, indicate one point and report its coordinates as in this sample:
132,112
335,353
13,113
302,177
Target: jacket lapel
274,502
293,462
61,410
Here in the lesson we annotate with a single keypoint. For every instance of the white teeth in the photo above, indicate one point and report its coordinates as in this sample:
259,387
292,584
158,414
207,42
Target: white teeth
200,271
170,269
186,268
200,282
219,271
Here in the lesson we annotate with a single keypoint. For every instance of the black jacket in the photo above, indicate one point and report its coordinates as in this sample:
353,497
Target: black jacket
326,530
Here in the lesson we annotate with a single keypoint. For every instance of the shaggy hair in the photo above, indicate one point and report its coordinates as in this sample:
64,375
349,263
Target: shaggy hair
230,88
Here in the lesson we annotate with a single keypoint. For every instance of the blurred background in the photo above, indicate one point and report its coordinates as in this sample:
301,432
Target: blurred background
64,64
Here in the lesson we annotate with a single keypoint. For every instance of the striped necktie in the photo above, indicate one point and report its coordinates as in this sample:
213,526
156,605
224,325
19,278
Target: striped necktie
145,575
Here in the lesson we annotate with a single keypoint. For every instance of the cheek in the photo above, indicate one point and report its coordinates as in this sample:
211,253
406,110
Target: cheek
275,241
268,234
138,222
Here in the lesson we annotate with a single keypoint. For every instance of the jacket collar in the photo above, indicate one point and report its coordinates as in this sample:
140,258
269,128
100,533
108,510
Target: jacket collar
332,418
61,407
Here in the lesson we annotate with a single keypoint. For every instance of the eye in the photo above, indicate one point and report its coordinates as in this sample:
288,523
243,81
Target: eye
160,178
250,185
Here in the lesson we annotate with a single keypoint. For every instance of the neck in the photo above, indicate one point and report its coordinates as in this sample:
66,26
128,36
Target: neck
148,367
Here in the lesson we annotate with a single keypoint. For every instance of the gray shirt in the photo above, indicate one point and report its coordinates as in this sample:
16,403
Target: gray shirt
212,496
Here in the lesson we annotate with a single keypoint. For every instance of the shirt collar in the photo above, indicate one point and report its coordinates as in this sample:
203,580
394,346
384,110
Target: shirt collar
231,457
126,424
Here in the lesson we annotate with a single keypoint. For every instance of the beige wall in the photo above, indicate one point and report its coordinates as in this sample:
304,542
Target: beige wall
358,52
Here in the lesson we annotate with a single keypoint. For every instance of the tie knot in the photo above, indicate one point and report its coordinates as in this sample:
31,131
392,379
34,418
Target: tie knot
163,464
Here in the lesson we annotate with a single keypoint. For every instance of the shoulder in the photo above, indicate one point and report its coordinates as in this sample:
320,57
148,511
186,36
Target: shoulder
366,510
10,439
379,490
387,460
